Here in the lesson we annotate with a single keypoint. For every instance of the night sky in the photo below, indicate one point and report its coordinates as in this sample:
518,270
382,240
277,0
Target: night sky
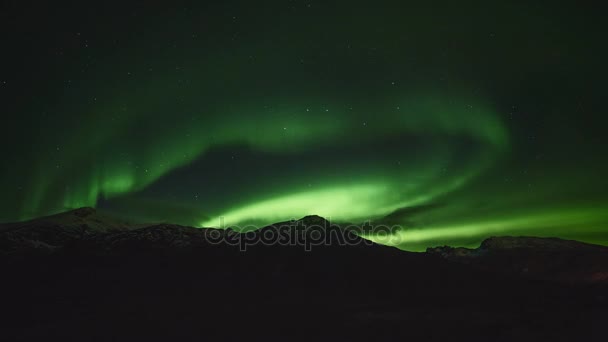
456,121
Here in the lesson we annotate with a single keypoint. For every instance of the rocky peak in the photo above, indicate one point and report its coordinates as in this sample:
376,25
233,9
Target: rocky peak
533,243
315,220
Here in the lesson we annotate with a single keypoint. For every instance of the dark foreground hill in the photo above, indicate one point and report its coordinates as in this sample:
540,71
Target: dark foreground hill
81,276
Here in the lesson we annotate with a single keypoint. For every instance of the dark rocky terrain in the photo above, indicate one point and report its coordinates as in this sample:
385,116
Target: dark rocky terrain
82,276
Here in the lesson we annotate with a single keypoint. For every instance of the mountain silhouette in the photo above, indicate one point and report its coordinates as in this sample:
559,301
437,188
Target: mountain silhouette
82,275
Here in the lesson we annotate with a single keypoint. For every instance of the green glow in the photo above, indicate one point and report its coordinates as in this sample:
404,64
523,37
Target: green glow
285,129
337,203
550,223
413,185
331,119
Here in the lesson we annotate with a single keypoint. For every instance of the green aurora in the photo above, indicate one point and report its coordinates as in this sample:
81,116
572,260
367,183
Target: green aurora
491,131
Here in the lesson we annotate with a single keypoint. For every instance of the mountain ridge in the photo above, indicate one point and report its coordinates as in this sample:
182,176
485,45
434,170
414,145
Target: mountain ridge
86,223
160,281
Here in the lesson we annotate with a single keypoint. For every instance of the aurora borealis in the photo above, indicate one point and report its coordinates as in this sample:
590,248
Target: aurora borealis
457,122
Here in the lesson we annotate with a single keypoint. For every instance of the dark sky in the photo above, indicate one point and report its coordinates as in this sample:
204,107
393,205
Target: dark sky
487,116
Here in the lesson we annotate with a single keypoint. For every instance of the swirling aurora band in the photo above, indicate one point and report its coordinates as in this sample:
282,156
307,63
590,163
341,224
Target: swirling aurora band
454,144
